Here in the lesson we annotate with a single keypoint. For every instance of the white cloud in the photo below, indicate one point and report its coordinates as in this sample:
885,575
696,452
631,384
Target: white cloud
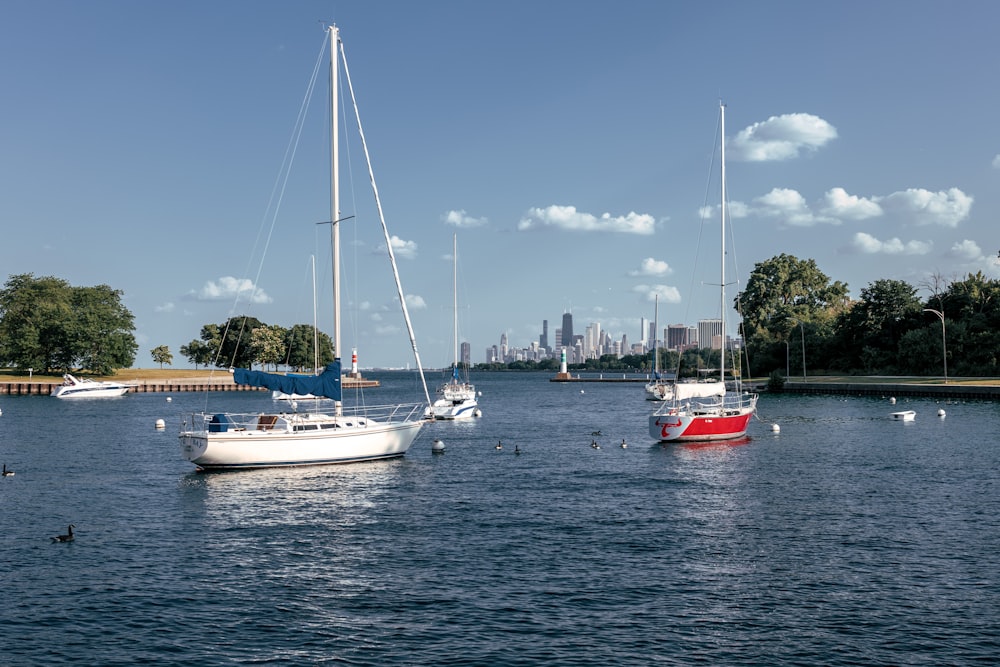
788,206
996,162
168,307
462,219
780,138
869,245
967,250
567,217
415,302
652,267
924,207
228,287
667,293
400,248
839,204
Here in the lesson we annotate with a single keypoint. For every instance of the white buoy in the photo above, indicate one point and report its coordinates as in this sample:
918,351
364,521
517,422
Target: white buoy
437,446
478,412
160,425
775,428
581,391
892,400
941,412
169,399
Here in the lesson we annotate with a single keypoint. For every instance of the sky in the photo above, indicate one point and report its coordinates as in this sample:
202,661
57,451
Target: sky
571,145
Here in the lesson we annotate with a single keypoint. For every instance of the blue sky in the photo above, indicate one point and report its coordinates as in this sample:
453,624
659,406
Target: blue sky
569,145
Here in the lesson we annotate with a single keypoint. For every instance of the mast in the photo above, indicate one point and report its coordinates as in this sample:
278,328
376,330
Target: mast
722,263
315,323
454,282
335,184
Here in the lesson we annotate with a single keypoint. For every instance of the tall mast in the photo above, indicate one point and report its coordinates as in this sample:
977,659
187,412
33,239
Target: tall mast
454,291
335,183
722,263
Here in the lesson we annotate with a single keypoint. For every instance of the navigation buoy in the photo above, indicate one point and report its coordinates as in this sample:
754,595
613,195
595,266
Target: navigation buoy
775,428
169,399
941,412
437,446
892,400
160,425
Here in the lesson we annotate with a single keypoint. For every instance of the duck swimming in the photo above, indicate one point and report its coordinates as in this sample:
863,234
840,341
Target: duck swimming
7,473
68,537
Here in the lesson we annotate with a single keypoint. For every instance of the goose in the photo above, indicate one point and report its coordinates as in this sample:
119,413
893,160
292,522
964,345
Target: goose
7,473
593,443
68,537
499,446
624,445
595,433
517,449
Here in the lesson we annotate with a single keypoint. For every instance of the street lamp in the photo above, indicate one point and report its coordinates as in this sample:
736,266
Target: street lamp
944,346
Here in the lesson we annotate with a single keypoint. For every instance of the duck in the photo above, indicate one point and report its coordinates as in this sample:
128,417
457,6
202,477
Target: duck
624,444
595,433
593,443
499,446
517,449
68,537
7,473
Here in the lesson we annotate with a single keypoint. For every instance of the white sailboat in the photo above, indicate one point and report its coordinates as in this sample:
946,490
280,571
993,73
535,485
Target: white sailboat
657,389
700,411
223,441
456,398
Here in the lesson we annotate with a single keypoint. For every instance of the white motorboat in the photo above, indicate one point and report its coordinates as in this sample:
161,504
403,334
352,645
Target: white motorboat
340,435
903,415
74,387
455,399
707,411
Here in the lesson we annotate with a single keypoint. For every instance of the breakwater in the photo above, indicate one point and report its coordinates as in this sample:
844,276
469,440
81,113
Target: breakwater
890,389
223,383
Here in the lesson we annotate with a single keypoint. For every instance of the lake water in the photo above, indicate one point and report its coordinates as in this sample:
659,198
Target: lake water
846,538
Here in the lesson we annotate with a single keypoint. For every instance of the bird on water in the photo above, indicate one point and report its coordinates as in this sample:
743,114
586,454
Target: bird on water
68,537
7,473
499,446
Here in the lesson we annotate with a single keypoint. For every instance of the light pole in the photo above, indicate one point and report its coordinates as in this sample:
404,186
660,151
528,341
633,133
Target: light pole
944,345
786,359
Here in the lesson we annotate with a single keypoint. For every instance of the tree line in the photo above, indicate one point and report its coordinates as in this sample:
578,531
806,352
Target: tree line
788,305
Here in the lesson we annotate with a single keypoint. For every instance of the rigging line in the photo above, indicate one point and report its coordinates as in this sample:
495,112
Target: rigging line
385,231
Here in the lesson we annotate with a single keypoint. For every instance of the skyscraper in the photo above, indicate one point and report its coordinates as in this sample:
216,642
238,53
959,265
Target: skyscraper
543,340
567,330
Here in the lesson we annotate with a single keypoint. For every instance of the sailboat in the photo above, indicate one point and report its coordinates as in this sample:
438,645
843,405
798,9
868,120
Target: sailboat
456,398
705,411
226,441
657,389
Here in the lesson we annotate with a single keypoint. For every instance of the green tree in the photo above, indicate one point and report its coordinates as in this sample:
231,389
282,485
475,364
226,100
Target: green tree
867,336
232,339
162,355
47,324
267,344
781,293
299,345
199,353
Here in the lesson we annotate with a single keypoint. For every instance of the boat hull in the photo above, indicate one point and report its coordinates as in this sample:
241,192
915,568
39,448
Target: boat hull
702,428
269,446
450,410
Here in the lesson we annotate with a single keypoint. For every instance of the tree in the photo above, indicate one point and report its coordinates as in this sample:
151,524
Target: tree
161,355
198,352
299,345
867,336
232,339
267,344
781,293
46,323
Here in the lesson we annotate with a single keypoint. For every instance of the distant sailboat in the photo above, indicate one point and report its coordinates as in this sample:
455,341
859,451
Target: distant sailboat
657,389
231,441
456,398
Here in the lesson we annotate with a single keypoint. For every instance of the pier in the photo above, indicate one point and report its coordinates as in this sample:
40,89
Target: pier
222,383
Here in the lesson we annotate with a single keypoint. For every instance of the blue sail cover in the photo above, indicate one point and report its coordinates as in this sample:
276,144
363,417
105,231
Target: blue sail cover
325,384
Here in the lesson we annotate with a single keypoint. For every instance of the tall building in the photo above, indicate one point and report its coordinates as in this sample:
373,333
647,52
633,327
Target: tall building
678,336
710,334
543,340
567,330
466,354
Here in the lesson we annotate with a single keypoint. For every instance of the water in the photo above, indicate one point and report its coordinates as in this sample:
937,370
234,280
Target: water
845,539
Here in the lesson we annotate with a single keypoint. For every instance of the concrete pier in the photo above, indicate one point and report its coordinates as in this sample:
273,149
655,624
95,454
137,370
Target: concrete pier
221,383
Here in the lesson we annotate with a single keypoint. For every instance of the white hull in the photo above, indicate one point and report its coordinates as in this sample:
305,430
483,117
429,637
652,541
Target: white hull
444,409
76,388
904,416
265,441
658,391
